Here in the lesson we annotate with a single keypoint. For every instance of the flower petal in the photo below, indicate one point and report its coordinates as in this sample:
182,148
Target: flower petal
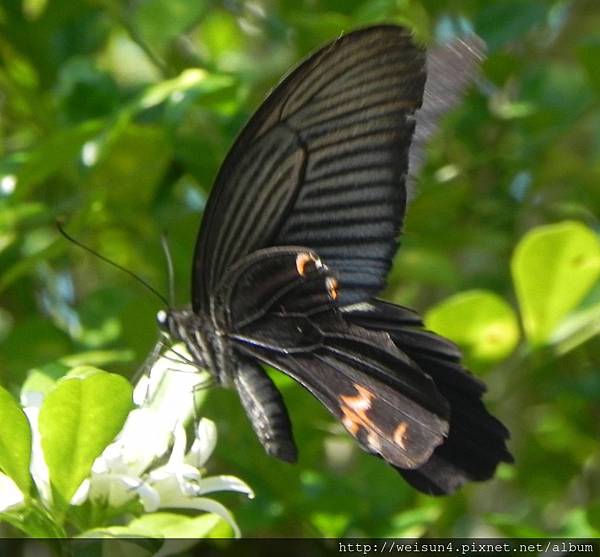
149,497
118,489
223,483
204,444
140,392
82,493
38,467
179,443
11,496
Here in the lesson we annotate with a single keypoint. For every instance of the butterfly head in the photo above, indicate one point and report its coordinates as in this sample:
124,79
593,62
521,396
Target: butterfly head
175,323
183,325
164,320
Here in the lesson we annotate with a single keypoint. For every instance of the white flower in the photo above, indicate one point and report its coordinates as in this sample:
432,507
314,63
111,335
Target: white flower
32,402
11,497
133,466
127,468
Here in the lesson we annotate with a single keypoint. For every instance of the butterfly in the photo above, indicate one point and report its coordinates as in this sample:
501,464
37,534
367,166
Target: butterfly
297,237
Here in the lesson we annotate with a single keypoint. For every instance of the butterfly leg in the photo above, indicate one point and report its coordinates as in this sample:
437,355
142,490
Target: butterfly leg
147,364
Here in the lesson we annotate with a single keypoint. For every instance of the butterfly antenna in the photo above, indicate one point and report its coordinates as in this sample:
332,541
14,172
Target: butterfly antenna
63,232
164,241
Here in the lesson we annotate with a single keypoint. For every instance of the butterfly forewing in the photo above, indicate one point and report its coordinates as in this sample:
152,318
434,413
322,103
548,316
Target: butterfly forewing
321,165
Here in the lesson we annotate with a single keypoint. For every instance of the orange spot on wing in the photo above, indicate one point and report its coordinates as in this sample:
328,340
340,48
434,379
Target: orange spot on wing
400,434
373,441
354,410
303,259
332,287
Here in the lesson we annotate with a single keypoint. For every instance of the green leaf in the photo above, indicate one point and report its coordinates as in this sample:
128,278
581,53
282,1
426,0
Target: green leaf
577,525
580,325
593,515
160,21
221,34
553,269
479,321
330,525
413,523
588,52
6,323
502,22
180,532
119,532
35,520
188,80
77,420
173,525
15,441
57,152
42,379
124,541
98,357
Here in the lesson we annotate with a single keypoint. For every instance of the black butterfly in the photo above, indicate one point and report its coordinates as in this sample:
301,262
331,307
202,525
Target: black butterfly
297,238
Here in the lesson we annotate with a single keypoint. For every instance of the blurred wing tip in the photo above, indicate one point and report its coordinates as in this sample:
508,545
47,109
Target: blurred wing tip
470,43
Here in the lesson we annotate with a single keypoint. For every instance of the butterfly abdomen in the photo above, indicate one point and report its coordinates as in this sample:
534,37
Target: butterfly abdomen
265,408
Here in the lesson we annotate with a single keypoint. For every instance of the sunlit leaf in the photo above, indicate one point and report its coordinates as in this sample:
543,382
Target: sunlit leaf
77,420
15,441
553,268
33,9
222,38
414,522
119,532
330,525
123,541
577,525
173,525
98,357
42,379
479,321
581,324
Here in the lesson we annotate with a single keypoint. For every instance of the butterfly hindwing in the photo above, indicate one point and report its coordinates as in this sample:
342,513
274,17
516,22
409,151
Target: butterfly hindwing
380,396
383,420
278,289
322,165
476,443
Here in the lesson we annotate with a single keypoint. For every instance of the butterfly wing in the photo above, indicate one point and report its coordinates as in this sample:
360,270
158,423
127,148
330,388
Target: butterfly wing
281,310
476,443
321,164
451,68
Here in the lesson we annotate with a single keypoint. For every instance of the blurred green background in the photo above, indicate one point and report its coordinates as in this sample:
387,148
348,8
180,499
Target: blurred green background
116,115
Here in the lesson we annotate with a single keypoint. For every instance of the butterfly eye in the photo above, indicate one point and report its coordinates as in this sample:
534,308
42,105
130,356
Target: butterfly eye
162,318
